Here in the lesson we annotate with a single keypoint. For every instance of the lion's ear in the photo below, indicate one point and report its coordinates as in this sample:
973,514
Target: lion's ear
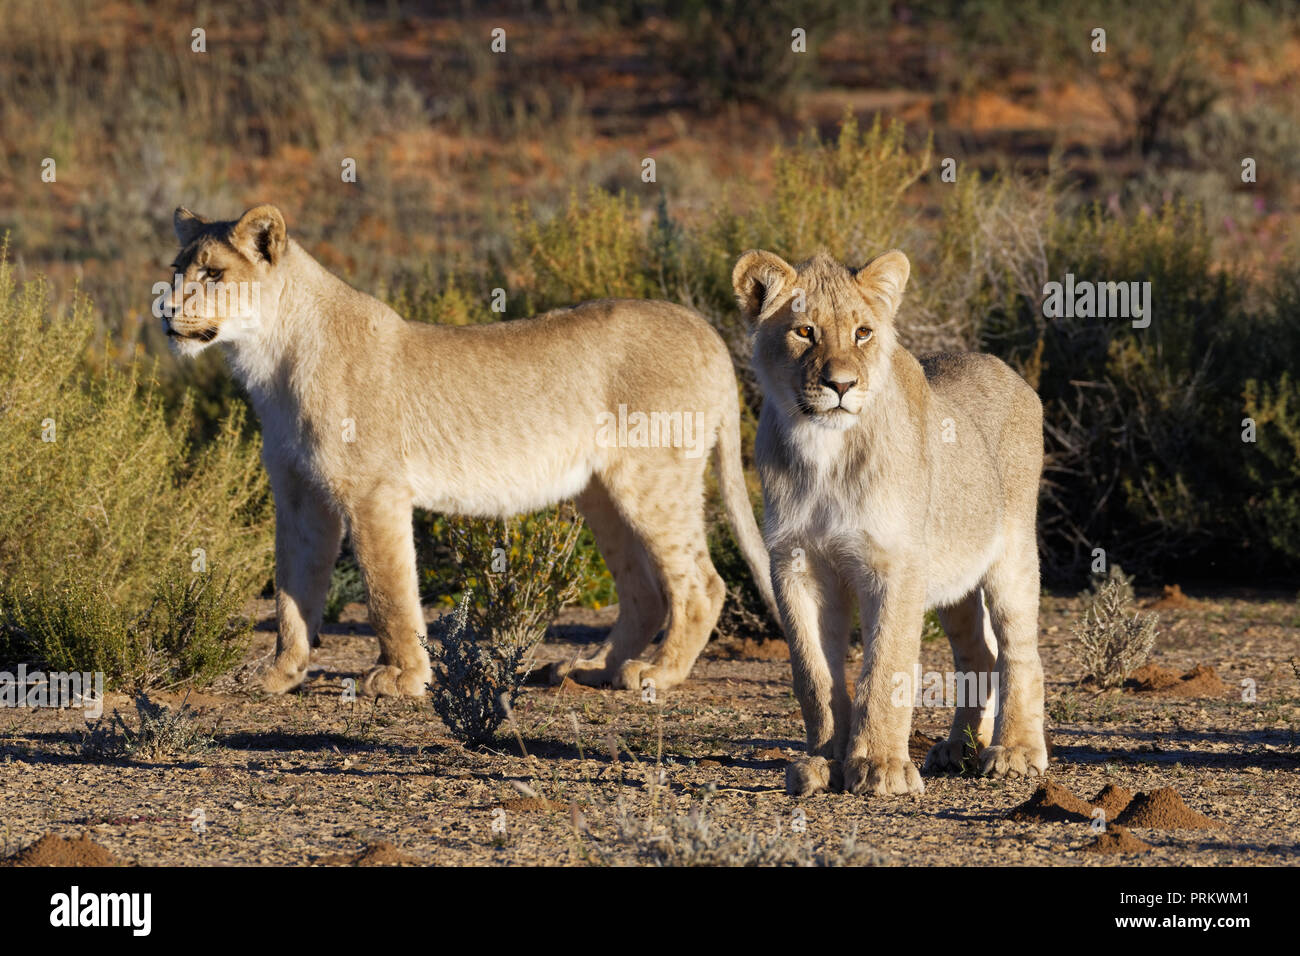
883,279
260,234
758,278
187,225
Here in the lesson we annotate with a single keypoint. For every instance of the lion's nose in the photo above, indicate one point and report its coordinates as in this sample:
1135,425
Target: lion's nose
839,387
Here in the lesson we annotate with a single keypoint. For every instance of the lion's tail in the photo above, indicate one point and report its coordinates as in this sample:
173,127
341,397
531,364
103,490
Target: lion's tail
740,512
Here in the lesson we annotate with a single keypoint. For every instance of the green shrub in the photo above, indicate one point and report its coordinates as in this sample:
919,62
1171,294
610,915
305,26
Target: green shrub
440,300
1144,426
191,631
523,569
122,549
346,586
1274,509
594,249
454,553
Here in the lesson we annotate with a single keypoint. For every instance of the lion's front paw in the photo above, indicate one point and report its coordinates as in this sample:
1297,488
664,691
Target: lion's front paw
948,756
1014,761
385,680
886,777
644,675
809,775
632,673
282,678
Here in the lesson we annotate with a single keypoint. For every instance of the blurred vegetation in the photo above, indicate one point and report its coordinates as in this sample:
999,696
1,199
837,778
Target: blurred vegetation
1144,426
456,553
479,172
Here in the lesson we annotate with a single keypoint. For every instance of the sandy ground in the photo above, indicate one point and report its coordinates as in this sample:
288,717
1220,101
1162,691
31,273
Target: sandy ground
312,778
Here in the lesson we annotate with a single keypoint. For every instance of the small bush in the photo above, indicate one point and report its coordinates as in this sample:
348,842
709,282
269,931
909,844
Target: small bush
1275,470
594,249
440,300
191,631
476,674
442,578
161,733
122,549
1109,643
525,570
1114,575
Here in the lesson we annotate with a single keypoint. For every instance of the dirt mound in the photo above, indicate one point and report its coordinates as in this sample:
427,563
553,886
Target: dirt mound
1172,599
1160,809
1164,809
567,687
918,745
375,854
749,649
1116,840
51,850
1200,681
1113,799
528,804
1052,803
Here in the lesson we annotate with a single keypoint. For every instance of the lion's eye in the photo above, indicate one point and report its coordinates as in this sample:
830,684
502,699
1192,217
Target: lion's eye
861,334
804,332
214,274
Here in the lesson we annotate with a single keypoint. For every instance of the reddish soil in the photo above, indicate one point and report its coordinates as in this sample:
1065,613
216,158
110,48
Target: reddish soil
1161,809
1052,803
568,687
376,854
52,850
749,649
1164,809
1173,598
919,745
1113,799
1200,681
529,804
1116,841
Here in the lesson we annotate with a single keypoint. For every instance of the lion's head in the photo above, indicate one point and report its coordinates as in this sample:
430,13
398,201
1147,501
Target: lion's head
825,333
220,277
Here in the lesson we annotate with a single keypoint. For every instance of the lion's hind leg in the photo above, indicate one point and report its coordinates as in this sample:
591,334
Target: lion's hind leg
642,606
970,633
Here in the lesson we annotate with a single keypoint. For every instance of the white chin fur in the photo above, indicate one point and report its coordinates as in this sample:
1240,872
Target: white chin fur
187,348
837,421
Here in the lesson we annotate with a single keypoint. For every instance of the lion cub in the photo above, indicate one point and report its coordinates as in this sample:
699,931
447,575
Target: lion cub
365,416
900,485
